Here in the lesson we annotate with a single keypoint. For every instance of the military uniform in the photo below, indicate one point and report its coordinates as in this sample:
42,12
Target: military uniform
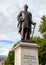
25,24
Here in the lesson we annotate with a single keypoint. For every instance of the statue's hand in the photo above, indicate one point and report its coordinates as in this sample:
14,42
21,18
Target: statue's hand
34,23
21,19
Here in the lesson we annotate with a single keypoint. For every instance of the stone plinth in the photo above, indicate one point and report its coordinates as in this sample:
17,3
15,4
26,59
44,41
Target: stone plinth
26,54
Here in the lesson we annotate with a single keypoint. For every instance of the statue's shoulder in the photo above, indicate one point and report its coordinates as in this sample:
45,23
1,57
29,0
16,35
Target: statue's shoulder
21,12
30,13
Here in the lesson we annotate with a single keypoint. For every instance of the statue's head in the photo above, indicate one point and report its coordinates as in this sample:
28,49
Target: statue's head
25,7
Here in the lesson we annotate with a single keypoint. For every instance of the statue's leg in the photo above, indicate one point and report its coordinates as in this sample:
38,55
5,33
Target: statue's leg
27,35
23,34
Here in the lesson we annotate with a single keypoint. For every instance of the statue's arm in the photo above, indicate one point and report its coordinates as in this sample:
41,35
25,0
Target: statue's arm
18,18
20,14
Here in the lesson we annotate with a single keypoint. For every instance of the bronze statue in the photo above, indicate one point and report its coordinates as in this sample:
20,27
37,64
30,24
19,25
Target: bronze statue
24,23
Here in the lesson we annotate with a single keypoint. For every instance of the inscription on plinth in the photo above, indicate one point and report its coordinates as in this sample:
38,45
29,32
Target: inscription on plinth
29,59
29,56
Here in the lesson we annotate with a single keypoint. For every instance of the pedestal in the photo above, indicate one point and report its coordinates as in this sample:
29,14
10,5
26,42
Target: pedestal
26,54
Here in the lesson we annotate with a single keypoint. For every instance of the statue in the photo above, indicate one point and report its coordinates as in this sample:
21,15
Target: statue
24,23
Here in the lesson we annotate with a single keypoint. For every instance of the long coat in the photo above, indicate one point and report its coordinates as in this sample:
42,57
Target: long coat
25,20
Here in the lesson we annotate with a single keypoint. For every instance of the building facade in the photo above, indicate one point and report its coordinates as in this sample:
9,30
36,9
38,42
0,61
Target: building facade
2,59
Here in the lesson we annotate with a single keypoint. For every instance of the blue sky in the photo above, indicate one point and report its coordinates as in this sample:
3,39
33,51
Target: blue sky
9,10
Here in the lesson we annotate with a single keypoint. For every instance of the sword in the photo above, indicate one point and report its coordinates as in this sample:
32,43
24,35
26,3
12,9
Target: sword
33,30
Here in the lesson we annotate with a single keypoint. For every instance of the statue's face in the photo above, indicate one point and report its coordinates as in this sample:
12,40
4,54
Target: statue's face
25,8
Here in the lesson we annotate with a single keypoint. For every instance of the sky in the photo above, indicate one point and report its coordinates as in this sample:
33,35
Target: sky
9,9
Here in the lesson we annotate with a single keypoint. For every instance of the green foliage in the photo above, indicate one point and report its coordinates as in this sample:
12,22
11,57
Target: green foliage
42,27
42,50
10,58
36,40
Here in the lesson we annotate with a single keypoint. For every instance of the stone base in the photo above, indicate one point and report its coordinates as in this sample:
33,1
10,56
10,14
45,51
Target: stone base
26,54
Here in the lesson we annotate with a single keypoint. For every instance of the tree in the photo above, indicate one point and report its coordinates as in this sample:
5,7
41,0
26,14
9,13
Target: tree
42,50
42,27
10,58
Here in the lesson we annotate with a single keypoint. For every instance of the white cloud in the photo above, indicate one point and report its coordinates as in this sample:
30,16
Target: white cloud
42,12
5,47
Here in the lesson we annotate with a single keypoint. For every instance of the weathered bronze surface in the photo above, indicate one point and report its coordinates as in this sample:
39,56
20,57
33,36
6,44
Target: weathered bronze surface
24,24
